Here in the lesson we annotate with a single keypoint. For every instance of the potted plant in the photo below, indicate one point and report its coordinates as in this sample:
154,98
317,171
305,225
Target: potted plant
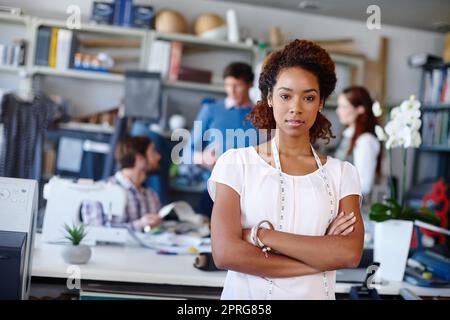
76,253
393,219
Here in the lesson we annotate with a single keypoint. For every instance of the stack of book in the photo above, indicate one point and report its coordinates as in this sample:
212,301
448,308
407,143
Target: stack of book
13,54
435,129
56,48
437,86
165,58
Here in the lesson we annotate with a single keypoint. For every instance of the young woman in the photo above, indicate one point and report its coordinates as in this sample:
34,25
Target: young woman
284,217
359,144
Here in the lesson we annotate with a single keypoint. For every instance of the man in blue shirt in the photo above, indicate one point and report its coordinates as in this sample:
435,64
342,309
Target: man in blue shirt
222,125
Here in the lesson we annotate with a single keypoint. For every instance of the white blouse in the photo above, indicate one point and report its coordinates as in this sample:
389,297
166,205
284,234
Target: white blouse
307,213
365,158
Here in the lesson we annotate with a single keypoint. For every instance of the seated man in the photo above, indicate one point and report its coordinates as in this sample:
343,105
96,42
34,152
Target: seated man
137,158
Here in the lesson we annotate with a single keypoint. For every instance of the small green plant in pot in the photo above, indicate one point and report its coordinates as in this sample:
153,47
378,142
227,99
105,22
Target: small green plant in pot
391,209
75,252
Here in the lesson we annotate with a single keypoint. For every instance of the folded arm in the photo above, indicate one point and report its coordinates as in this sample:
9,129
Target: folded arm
328,252
231,252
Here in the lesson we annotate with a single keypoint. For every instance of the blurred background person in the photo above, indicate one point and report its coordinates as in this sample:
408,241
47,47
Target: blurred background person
359,144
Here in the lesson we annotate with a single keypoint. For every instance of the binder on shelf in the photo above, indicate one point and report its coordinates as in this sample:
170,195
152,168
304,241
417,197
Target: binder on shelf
143,16
435,130
18,53
436,86
53,43
159,60
43,46
2,54
65,49
194,75
445,97
123,13
175,60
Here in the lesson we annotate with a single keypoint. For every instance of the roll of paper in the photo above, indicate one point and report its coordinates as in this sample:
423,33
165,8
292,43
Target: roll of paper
233,28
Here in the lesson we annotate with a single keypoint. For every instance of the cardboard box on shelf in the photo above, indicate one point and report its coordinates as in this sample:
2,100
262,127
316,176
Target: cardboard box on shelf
194,75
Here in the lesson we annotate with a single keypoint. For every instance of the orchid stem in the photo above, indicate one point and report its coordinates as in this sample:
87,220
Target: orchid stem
405,153
391,178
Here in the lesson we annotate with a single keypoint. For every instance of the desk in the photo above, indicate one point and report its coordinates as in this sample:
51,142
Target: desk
132,269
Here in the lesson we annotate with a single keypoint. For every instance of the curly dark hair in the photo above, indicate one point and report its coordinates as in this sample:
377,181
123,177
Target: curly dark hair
306,55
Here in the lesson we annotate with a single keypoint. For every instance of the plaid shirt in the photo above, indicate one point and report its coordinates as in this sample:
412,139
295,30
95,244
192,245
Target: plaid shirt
139,203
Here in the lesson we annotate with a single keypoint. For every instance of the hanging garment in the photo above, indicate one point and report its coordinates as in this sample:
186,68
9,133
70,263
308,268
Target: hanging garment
24,127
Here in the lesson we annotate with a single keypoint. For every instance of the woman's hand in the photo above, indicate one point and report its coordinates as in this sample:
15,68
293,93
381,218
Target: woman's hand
342,225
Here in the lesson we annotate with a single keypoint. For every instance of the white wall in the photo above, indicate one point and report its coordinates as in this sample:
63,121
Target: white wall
401,79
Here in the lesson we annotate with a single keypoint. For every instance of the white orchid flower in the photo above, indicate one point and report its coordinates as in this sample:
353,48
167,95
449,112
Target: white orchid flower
406,136
381,135
402,130
393,142
411,104
410,116
395,113
376,109
416,139
393,127
416,124
389,143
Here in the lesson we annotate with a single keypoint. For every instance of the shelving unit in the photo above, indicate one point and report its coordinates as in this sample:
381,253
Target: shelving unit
441,151
78,74
145,37
20,73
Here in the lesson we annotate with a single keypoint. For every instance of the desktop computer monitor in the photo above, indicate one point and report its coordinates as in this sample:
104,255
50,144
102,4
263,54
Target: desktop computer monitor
143,95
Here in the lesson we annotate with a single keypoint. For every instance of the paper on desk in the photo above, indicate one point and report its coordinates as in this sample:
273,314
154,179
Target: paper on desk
173,243
183,210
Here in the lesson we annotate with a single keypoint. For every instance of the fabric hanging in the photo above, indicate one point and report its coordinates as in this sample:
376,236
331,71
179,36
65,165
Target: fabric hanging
24,127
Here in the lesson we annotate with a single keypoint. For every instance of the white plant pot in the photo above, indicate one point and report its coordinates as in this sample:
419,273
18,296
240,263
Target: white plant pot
392,240
79,254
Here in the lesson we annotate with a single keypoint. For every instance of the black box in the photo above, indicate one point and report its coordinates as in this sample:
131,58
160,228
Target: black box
102,12
12,260
143,17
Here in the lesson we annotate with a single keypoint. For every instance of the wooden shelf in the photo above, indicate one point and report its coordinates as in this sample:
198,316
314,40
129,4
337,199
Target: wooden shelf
103,76
435,148
437,107
194,40
11,18
78,74
88,127
95,28
436,65
12,69
203,87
